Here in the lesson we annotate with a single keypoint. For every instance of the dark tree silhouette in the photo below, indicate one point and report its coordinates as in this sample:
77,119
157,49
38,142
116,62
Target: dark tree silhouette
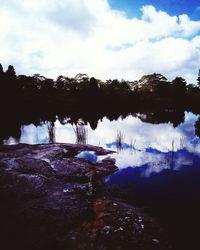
1,70
31,99
10,73
1,82
198,78
179,88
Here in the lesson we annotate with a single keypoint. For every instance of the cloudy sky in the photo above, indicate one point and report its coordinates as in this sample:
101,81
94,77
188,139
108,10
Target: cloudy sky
103,38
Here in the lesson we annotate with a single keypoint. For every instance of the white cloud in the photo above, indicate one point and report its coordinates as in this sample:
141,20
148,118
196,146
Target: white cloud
162,24
188,26
67,37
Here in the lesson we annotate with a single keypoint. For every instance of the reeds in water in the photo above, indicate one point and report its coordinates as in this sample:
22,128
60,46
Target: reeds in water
119,141
51,131
80,132
132,145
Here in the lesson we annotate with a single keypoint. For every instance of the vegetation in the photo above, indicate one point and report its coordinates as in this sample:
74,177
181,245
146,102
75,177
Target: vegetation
119,141
198,78
40,92
80,132
30,99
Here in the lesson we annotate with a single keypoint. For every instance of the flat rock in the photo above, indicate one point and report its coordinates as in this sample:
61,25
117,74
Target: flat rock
51,199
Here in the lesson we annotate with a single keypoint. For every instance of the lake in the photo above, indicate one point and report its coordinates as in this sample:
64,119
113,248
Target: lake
158,161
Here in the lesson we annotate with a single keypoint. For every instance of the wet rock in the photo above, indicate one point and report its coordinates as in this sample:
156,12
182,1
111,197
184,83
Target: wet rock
34,166
50,199
45,192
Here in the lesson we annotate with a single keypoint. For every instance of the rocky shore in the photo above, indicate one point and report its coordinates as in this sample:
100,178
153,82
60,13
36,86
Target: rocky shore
53,199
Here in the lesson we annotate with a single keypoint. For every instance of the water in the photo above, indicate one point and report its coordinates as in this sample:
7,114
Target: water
138,144
136,135
159,164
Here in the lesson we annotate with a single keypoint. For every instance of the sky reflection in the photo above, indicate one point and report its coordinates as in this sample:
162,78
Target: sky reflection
142,143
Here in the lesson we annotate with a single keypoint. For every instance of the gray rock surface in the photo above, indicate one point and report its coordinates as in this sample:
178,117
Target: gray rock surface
50,199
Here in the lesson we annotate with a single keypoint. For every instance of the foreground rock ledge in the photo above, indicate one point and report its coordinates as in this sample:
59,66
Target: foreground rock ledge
50,199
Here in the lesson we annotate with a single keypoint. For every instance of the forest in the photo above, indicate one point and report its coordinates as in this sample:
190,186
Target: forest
32,99
32,92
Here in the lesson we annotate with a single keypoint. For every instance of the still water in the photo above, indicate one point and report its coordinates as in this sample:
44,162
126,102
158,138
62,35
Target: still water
135,141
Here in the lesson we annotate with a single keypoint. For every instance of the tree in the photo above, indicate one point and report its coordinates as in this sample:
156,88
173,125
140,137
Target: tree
198,78
154,87
27,85
2,86
152,81
93,84
179,86
81,82
1,70
62,83
11,86
10,73
93,89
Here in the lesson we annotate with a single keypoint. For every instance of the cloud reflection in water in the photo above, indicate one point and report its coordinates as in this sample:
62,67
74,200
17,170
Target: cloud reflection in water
143,143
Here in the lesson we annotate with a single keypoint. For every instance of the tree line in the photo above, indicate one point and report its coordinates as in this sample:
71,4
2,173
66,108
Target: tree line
35,99
38,92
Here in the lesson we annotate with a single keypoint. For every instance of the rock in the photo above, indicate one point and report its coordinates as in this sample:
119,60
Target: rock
115,227
45,191
50,199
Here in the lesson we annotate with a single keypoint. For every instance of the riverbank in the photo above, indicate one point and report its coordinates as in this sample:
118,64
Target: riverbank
52,199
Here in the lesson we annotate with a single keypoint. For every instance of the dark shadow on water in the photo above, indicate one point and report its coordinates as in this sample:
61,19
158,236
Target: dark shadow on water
12,119
172,195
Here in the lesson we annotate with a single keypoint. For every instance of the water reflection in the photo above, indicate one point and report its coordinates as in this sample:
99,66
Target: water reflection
135,141
130,132
169,188
33,135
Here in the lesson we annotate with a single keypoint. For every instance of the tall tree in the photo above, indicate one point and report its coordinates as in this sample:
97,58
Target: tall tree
179,85
1,70
2,87
179,88
198,78
10,73
152,81
10,82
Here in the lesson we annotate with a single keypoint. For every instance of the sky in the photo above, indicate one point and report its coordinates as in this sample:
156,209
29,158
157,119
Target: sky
123,39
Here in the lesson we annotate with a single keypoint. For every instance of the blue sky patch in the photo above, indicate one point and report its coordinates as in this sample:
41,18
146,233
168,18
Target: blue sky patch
172,7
